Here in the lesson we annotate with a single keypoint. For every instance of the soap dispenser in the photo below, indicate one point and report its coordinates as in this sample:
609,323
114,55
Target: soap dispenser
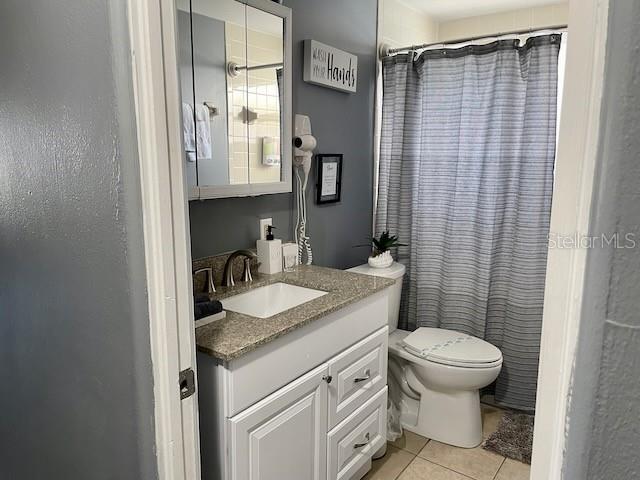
269,253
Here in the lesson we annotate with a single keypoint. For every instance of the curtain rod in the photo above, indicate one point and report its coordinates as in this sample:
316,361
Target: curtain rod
385,50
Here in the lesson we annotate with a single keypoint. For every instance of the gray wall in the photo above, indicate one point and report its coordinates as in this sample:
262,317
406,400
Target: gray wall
75,363
603,427
342,123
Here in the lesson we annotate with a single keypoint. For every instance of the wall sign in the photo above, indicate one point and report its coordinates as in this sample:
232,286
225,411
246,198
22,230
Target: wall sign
329,178
330,67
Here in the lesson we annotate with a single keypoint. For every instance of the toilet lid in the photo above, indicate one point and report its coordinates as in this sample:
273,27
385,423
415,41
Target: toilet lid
395,270
450,347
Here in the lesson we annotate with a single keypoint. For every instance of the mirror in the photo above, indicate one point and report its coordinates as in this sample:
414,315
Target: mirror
234,62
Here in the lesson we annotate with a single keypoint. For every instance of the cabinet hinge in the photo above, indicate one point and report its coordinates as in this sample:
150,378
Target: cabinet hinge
187,382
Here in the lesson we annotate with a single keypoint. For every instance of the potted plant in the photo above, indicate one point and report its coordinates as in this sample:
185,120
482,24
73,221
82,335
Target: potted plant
381,254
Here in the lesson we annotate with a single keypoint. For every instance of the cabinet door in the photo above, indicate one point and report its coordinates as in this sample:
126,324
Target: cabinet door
283,437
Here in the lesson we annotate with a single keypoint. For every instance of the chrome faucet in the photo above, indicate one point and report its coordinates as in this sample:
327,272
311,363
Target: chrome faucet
227,276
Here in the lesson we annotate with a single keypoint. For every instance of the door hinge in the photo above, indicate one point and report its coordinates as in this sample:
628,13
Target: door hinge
187,381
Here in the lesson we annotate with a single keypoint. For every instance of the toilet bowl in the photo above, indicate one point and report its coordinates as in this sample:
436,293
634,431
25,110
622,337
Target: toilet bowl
447,407
439,374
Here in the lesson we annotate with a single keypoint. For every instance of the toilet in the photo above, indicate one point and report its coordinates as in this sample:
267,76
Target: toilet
438,372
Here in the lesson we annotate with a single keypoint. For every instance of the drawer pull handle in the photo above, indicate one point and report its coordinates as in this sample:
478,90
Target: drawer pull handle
367,376
360,445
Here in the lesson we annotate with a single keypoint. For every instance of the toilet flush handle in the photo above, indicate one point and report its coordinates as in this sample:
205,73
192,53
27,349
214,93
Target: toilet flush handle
367,376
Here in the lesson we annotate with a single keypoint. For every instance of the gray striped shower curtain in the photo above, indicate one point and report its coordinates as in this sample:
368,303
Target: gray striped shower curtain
465,178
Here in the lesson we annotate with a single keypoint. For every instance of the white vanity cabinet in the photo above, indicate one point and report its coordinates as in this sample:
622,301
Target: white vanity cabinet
309,405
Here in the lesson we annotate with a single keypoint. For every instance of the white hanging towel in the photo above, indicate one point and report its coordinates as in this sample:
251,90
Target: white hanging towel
203,132
188,132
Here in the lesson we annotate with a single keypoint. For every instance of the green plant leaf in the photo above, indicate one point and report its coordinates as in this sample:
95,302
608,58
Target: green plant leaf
383,243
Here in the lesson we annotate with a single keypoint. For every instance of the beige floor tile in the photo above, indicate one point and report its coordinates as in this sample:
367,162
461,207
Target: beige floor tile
421,469
490,418
473,462
513,470
411,442
389,466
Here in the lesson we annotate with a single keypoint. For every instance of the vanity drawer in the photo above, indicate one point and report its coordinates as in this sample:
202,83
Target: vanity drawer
351,444
357,374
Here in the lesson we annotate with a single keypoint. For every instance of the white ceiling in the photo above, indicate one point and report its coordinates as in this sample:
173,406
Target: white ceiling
453,9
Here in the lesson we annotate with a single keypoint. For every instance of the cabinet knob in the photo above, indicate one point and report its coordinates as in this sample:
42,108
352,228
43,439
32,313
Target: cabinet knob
327,378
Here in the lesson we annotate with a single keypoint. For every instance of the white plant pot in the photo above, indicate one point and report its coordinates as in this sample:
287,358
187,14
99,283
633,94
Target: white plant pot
383,260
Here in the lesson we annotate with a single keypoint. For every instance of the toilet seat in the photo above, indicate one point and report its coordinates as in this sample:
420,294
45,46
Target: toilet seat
448,347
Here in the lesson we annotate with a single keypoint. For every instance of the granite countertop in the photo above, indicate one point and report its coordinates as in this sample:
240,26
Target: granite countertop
238,334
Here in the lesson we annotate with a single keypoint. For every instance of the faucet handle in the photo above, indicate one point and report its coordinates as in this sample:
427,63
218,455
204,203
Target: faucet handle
209,272
246,273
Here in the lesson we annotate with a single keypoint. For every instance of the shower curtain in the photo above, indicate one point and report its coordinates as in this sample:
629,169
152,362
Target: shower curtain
465,178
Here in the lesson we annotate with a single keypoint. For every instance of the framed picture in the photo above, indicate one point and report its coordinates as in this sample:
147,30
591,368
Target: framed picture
329,177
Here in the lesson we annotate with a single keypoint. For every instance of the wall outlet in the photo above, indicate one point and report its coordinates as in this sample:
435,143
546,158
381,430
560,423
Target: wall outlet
264,223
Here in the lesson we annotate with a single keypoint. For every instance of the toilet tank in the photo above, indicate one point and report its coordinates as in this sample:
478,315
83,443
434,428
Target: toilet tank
395,272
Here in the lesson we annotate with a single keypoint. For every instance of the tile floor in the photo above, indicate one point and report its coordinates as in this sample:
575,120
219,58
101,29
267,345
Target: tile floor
413,457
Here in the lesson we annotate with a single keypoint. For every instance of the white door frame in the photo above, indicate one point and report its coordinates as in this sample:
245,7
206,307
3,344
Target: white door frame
166,234
570,213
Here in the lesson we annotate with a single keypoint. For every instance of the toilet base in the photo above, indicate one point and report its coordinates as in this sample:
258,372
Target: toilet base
453,418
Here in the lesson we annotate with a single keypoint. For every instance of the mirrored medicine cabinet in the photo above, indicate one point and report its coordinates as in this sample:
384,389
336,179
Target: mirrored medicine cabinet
235,74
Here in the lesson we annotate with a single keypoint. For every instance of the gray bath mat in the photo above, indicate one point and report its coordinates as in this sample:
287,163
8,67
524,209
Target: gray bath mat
513,438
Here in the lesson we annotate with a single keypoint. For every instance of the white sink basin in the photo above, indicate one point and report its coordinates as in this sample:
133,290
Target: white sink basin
270,300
